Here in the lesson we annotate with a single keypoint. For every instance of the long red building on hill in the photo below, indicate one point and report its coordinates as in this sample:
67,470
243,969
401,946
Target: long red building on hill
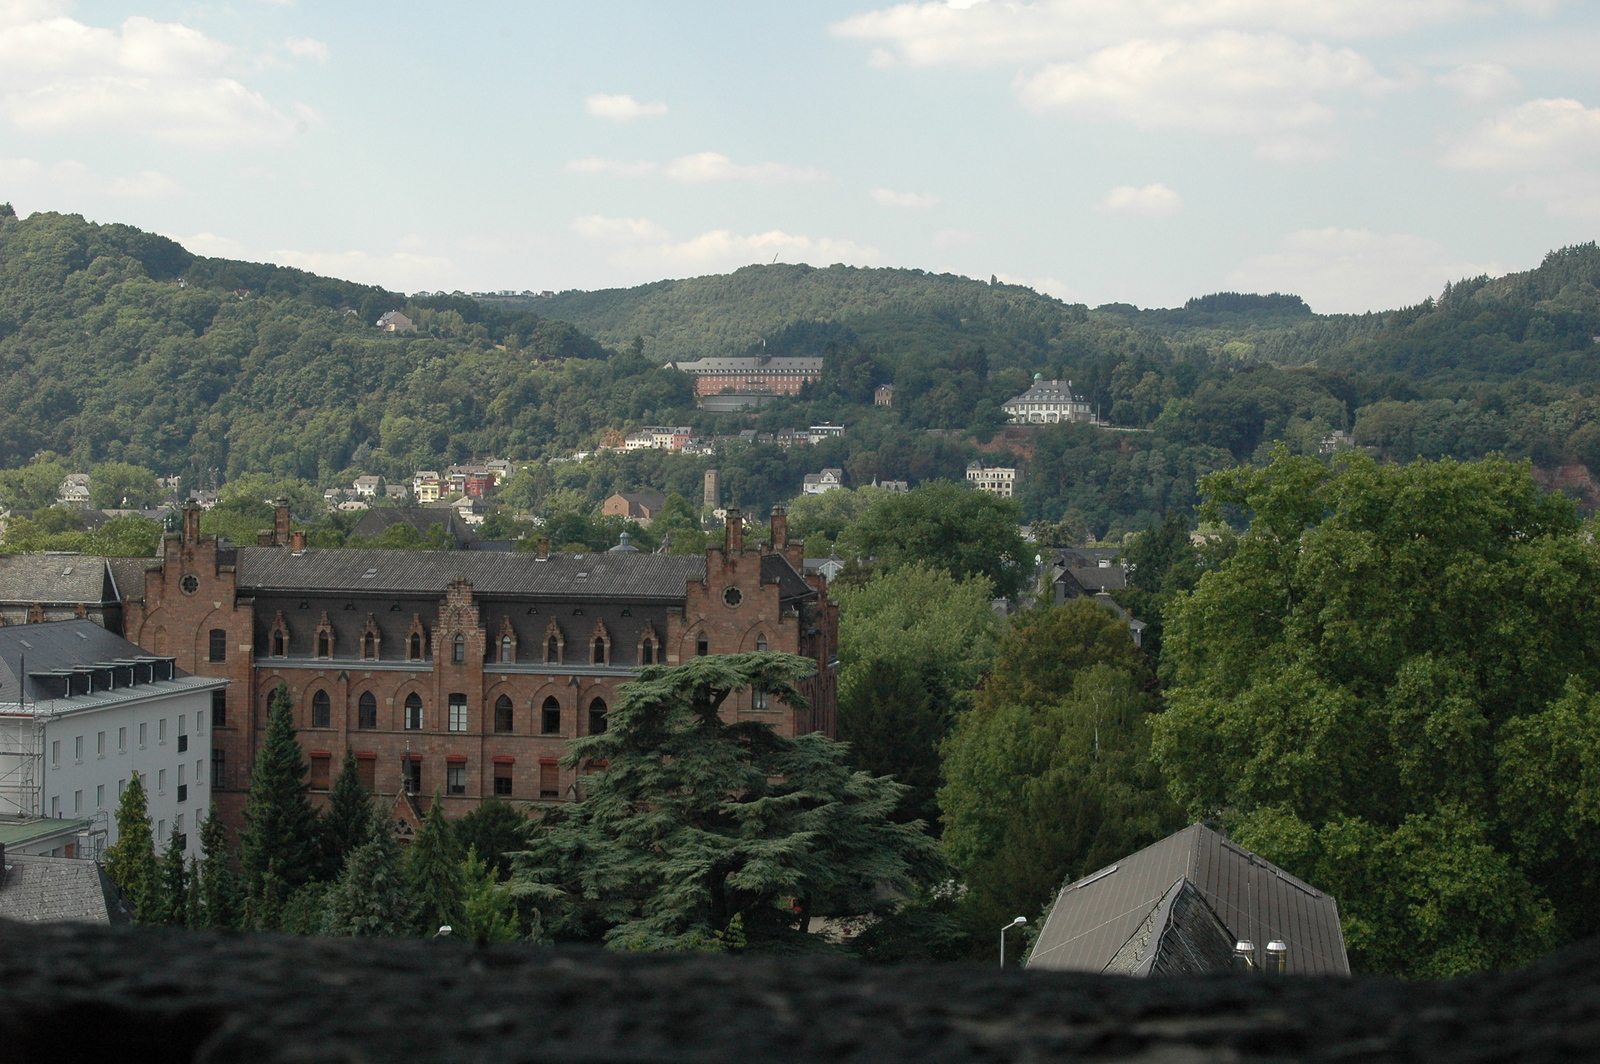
460,672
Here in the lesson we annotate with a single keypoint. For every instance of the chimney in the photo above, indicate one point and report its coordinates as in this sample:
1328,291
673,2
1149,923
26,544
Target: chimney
780,527
733,542
298,539
1244,957
280,522
191,523
263,537
1277,957
544,548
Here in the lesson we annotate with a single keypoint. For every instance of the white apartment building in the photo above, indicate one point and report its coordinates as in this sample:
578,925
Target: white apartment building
81,711
1000,480
1047,403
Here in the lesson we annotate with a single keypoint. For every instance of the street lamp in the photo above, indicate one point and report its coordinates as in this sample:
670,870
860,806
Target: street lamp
1018,922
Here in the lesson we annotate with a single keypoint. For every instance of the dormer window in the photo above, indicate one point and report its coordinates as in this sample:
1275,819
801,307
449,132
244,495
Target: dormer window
555,644
323,640
600,647
278,638
416,640
371,639
508,643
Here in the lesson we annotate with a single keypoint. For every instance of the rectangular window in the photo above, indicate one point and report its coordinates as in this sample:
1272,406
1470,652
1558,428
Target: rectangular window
161,830
758,698
458,713
413,714
122,785
219,645
100,745
122,740
219,709
77,803
199,723
549,781
143,735
55,753
413,772
177,832
503,717
77,749
183,744
183,792
183,725
161,781
199,772
550,723
55,808
181,769
219,762
502,781
456,779
161,730
319,771
367,772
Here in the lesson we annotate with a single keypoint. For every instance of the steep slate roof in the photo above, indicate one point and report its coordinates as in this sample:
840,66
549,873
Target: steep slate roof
57,645
780,363
1096,917
567,576
129,576
59,579
775,569
51,889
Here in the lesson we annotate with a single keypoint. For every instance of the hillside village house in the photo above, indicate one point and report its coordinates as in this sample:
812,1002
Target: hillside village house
1048,403
368,487
74,491
998,480
818,483
640,506
883,395
464,672
395,322
81,710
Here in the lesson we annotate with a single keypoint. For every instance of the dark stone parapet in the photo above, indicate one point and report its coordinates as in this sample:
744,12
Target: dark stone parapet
77,992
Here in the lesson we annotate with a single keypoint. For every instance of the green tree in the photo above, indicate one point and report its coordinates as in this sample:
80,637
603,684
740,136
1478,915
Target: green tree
496,830
820,519
131,860
278,848
120,486
215,888
373,896
348,822
488,909
701,834
913,643
174,892
33,487
434,868
966,533
1374,690
1163,563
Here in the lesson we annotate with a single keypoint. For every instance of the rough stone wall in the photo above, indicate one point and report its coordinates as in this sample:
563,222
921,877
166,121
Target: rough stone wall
79,992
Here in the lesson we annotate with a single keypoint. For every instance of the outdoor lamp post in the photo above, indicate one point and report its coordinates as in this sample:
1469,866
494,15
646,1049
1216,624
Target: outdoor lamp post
1018,922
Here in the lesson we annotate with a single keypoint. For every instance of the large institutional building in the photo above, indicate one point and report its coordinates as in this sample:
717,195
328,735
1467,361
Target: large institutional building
776,376
460,672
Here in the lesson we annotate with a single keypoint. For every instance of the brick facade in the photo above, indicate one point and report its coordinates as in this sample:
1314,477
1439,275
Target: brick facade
521,632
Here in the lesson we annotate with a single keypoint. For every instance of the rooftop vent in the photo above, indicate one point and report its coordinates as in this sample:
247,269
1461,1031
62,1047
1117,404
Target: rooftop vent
369,574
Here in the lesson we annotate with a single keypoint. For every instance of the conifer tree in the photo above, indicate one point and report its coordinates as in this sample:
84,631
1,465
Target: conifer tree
193,914
488,910
174,892
373,896
278,848
348,822
434,866
131,863
215,888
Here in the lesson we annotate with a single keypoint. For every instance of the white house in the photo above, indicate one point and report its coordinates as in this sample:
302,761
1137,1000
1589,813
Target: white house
998,480
827,480
368,487
82,710
1048,403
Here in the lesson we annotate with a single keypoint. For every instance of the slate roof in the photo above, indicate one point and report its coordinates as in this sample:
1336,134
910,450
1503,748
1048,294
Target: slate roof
57,645
51,889
129,576
58,579
775,569
1095,917
778,363
377,519
567,576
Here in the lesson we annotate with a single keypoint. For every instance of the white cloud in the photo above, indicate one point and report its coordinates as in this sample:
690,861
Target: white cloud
1225,82
1476,82
886,197
1573,194
596,165
724,249
618,230
162,80
1349,271
713,166
1150,201
307,48
622,108
399,271
62,181
1540,134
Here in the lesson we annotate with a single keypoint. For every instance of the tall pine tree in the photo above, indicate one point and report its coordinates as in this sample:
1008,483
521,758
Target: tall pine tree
348,822
278,848
174,905
131,863
215,888
434,866
373,896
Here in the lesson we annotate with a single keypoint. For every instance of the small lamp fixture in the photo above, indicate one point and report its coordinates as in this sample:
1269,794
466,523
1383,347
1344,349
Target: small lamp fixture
443,932
1018,922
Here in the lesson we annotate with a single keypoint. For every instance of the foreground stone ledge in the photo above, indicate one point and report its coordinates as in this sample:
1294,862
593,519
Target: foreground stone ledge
78,992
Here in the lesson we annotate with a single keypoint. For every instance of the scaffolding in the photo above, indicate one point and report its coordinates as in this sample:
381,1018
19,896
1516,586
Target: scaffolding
21,760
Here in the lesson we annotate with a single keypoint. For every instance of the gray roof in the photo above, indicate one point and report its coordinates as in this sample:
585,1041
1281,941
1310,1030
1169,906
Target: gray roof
60,579
1043,391
1094,918
129,576
57,645
779,364
567,576
50,889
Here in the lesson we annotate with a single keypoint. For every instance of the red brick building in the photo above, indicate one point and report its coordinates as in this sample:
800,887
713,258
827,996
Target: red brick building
458,671
777,376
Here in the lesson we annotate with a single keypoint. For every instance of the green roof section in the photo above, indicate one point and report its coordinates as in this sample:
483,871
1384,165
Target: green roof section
19,831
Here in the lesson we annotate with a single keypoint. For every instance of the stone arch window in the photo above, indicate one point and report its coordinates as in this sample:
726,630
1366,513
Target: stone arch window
649,647
367,711
413,712
416,640
702,646
555,644
761,642
458,649
371,639
598,716
550,717
321,710
504,714
278,638
600,646
508,643
217,645
323,639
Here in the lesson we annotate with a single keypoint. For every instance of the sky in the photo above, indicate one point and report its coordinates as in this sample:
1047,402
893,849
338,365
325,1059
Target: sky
1359,153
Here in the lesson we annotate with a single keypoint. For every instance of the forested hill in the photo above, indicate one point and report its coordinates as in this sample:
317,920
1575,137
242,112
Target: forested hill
117,345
